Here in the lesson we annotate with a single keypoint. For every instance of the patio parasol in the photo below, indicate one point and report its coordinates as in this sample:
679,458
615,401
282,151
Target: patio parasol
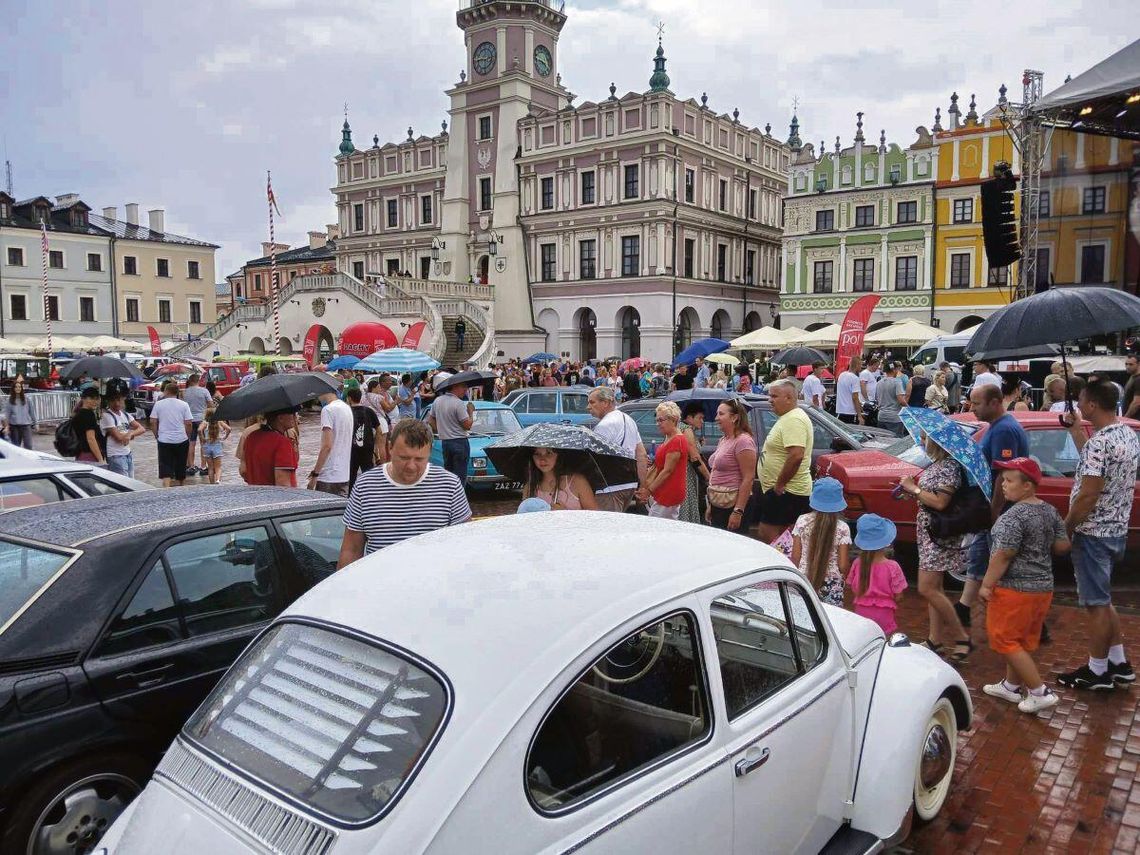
581,450
701,347
722,359
397,360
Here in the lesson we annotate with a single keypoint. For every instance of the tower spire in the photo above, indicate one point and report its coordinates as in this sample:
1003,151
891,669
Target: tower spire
346,146
659,81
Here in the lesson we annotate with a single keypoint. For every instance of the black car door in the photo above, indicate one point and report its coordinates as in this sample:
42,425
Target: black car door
196,606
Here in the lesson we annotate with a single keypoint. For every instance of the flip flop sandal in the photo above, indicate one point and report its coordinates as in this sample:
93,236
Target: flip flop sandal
961,653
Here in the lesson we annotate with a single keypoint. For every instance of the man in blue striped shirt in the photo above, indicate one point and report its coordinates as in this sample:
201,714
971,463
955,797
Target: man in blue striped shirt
403,498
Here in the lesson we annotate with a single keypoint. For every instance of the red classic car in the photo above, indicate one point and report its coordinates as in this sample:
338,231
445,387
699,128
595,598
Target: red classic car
870,476
226,376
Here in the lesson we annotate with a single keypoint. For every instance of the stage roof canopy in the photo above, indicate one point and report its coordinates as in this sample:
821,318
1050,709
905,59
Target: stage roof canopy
1103,100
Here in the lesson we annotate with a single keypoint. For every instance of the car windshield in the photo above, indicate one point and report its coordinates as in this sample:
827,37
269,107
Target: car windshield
495,423
25,572
905,449
339,724
838,427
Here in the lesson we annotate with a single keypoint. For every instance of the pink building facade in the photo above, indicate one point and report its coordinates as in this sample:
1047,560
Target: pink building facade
622,227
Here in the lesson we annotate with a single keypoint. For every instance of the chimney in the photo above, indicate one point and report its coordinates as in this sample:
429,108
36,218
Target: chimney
267,247
67,198
157,216
132,213
110,213
317,240
334,231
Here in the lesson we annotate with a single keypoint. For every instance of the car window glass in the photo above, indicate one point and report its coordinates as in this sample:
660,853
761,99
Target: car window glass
495,422
646,420
519,404
574,404
25,572
644,699
30,492
225,580
543,402
1055,451
955,354
821,436
926,356
316,545
754,646
810,639
93,485
767,419
150,618
218,375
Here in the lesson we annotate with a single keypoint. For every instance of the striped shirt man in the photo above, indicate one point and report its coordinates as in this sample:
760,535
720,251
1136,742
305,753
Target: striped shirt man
386,511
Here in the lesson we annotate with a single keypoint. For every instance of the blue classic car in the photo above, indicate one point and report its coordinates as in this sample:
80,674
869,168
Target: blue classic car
558,404
492,421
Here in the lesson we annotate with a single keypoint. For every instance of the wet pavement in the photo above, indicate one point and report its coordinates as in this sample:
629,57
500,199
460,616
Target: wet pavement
1061,781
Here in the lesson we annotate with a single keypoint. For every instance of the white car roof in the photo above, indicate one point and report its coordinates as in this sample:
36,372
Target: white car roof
502,606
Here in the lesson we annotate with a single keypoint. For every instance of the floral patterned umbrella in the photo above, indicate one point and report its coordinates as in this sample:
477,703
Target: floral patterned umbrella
582,450
949,434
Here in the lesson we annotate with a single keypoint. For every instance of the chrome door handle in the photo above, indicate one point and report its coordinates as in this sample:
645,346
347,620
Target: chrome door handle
743,767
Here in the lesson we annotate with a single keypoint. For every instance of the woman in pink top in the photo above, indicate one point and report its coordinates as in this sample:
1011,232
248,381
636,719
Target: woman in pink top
550,480
733,468
876,580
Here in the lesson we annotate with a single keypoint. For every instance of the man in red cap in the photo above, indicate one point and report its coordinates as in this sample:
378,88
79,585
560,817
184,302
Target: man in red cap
1018,585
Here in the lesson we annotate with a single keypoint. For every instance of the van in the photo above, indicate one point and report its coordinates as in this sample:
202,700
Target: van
944,348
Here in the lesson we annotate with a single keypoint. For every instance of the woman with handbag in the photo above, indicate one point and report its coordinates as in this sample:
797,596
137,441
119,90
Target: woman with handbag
934,491
733,468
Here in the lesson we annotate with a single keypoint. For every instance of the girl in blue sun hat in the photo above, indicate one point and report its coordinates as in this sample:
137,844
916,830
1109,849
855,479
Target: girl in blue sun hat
821,541
877,580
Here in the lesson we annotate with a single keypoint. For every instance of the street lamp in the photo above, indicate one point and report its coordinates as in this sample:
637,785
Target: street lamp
493,241
436,246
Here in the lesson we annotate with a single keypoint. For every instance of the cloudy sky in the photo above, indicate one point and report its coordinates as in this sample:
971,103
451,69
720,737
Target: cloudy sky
185,105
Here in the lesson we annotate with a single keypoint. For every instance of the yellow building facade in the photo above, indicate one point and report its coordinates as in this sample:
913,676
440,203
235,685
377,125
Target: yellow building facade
966,291
1084,210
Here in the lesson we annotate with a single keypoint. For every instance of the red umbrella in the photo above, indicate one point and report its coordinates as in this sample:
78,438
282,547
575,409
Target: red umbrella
804,370
174,368
634,363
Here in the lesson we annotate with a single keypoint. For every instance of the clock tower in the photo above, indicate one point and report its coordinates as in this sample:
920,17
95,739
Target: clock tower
512,58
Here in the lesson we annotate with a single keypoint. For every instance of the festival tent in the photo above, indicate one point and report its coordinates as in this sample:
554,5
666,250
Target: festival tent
908,332
827,336
1101,100
793,335
765,338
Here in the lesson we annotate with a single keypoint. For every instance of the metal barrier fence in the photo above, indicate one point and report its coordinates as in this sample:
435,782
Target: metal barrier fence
54,406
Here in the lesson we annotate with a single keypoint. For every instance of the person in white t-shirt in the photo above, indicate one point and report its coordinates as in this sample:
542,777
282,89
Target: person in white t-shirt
813,391
984,375
848,399
334,461
120,428
171,421
619,429
869,379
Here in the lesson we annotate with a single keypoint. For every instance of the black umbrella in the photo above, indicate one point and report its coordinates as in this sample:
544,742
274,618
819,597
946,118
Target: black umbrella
466,378
100,368
603,463
275,392
1014,353
1074,313
798,356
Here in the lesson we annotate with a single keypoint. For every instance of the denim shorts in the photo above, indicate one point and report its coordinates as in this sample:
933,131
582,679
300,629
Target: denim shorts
1093,560
978,556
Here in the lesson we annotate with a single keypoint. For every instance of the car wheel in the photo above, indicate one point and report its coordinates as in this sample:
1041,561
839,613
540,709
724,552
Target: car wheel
935,763
69,809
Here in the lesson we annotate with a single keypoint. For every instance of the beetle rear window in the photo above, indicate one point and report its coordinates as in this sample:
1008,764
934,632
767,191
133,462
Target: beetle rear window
337,724
25,573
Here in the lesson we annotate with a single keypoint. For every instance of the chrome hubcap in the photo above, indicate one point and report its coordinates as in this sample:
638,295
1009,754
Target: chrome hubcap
935,757
75,821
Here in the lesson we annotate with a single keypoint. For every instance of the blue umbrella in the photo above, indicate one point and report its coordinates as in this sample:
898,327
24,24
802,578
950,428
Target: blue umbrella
950,436
342,362
397,360
702,347
539,357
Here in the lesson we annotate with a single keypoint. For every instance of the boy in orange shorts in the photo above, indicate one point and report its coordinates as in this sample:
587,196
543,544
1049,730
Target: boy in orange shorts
1018,586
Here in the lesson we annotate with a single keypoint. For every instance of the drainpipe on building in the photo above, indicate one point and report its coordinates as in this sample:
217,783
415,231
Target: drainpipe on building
676,208
114,290
522,230
2,260
747,213
933,261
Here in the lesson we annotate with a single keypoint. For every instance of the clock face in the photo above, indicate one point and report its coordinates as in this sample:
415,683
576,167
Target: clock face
542,61
484,57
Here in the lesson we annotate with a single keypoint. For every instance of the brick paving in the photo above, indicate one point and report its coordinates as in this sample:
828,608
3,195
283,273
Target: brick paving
1061,781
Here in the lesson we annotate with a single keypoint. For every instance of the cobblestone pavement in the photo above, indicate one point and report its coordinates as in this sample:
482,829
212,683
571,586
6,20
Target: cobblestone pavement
1061,781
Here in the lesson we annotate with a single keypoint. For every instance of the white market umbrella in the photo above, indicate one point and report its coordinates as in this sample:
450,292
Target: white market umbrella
908,332
110,342
7,345
722,359
793,335
827,336
765,338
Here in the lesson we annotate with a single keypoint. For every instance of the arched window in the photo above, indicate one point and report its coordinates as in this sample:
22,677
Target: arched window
630,333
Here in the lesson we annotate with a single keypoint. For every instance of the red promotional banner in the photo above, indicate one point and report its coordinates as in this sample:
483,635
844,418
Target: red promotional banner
155,344
413,335
311,339
853,329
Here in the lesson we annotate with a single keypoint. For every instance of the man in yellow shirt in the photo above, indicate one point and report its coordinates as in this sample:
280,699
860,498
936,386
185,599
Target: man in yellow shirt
785,468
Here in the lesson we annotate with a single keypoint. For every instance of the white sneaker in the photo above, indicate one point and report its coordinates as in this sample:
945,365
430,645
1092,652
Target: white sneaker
1035,703
998,690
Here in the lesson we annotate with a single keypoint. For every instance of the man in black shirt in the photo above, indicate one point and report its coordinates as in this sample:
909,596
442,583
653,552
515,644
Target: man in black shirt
369,437
1131,404
631,385
682,379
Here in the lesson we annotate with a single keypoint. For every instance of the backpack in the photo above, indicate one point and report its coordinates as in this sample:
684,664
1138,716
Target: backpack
66,442
968,512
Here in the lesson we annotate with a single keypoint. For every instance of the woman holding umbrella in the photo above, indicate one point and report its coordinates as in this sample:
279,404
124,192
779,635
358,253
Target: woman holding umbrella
552,479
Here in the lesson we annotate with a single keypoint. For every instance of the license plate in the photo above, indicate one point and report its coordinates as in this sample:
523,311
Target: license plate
508,485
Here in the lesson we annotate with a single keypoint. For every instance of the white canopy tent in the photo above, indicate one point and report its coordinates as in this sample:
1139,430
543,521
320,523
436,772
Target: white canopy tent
908,332
826,337
765,338
794,335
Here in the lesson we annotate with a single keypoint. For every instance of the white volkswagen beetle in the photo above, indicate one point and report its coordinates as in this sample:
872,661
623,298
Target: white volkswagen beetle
556,683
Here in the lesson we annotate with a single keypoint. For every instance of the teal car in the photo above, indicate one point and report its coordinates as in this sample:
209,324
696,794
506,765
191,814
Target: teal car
492,421
552,404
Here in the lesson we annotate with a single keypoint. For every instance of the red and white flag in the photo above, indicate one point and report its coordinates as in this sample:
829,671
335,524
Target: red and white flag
853,329
269,193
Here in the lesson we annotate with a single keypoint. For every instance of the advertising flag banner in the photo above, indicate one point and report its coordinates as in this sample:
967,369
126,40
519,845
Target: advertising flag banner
155,344
853,329
311,339
413,335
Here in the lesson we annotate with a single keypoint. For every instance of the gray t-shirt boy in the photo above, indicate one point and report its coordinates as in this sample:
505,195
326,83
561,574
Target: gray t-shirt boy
886,396
450,412
1031,529
198,399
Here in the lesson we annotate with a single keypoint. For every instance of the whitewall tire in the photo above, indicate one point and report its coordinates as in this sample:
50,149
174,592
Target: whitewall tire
934,768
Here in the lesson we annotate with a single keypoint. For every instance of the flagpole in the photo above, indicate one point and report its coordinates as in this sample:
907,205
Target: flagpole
273,265
47,312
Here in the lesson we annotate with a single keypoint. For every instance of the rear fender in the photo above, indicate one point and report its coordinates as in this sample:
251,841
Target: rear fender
910,681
